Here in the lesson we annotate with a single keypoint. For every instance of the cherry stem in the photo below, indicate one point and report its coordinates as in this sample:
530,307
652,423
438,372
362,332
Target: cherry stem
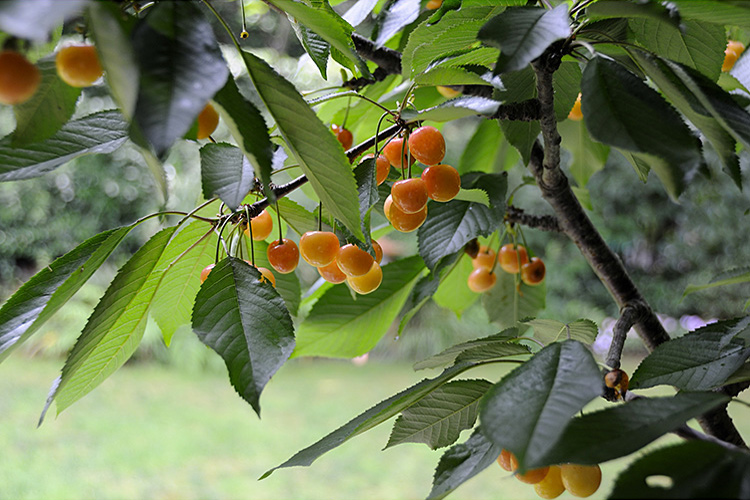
221,240
320,216
278,216
346,114
250,232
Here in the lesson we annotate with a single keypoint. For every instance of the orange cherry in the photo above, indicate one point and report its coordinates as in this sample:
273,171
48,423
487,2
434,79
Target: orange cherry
267,275
206,271
332,273
283,256
410,195
392,151
208,120
400,220
382,166
343,135
733,52
511,259
19,78
427,145
576,114
481,279
442,182
262,225
78,65
485,258
531,476
504,460
318,248
447,92
532,273
551,486
368,282
353,261
378,251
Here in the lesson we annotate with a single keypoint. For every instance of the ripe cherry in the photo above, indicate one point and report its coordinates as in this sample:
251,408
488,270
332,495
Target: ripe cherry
481,279
733,52
447,92
531,476
262,225
532,273
575,113
442,182
332,273
368,282
551,486
485,258
400,220
353,261
581,480
427,145
378,251
318,248
512,258
267,275
19,78
208,120
433,4
382,166
206,271
392,151
617,379
410,195
504,460
78,65
283,256
343,135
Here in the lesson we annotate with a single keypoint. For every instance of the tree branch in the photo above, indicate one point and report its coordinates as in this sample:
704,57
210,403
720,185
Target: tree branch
516,215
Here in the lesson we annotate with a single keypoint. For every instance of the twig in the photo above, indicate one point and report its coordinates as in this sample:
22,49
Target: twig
630,314
516,215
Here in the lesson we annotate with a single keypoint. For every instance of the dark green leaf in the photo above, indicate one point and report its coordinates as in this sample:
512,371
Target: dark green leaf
734,13
493,352
698,361
566,83
625,428
287,285
693,469
49,108
317,48
367,187
181,68
507,303
499,340
449,226
454,109
462,462
245,321
550,330
226,173
523,34
116,326
320,155
520,85
249,130
101,132
548,390
480,153
399,14
604,9
449,75
588,156
27,20
48,290
438,419
340,325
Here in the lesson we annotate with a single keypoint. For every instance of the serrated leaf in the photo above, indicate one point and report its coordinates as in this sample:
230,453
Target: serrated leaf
566,82
623,429
474,196
523,33
617,104
369,419
506,304
181,68
449,226
101,132
588,156
317,48
548,390
696,469
226,173
48,290
550,330
320,155
733,13
449,75
173,301
454,109
35,20
462,462
698,361
48,110
605,9
116,326
741,277
399,14
245,321
438,419
449,355
367,187
493,352
342,326
248,128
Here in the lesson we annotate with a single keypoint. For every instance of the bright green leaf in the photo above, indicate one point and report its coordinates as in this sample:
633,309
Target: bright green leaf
550,330
454,109
506,304
498,341
453,292
588,156
315,46
741,275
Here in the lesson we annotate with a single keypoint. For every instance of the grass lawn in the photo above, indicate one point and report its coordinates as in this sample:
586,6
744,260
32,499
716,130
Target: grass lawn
157,433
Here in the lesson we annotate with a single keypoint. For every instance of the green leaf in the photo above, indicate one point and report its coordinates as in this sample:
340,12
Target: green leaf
328,25
625,428
550,330
494,352
174,299
320,155
111,33
315,46
181,68
226,173
548,390
473,196
734,13
506,303
298,218
249,130
520,85
367,187
454,109
498,342
369,419
453,292
742,275
49,108
449,75
418,297
438,419
245,321
28,20
480,153
101,132
698,361
605,9
343,326
694,469
449,226
49,289
462,462
287,285
566,82
617,104
522,34
399,14
588,156
693,44
116,326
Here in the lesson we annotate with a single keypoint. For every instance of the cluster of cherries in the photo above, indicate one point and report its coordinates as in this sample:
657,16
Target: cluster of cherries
512,259
550,482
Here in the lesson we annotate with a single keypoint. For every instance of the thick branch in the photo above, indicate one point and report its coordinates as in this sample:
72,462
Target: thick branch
516,215
525,111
